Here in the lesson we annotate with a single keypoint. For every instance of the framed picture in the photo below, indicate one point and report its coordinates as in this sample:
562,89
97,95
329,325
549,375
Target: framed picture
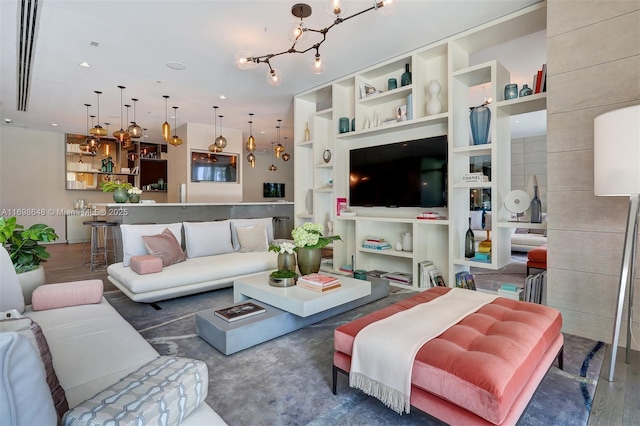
401,113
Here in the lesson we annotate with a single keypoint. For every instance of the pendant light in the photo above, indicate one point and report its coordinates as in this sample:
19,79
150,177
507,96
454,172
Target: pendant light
272,167
166,127
86,146
175,140
252,160
121,135
98,131
127,144
94,143
250,146
134,130
213,147
278,148
221,141
285,156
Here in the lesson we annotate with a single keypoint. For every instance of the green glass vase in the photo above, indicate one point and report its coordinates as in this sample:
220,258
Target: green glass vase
120,195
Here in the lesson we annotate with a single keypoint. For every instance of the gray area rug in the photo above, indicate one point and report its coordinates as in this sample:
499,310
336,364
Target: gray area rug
287,381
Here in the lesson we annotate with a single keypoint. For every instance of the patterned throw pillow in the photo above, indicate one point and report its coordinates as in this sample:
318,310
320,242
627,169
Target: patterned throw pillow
162,392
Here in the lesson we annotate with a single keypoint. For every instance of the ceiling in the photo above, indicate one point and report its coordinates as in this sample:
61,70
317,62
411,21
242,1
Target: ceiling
136,39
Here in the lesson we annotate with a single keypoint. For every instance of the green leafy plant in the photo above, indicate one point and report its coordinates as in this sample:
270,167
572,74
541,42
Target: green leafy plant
111,186
22,244
283,273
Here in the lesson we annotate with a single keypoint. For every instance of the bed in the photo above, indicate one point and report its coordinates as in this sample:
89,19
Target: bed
483,369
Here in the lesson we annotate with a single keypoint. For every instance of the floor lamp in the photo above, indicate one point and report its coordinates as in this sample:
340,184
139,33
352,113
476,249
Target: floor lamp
617,172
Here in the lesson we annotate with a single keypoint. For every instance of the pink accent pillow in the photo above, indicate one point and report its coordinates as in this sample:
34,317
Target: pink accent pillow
53,296
146,264
165,246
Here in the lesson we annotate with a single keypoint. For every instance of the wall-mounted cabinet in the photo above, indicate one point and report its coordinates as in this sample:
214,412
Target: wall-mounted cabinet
435,103
153,166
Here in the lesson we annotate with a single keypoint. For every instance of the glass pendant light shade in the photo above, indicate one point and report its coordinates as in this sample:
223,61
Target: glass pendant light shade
278,149
337,8
274,77
134,130
317,64
214,148
166,127
221,141
175,140
285,156
121,135
272,167
244,60
297,32
252,160
250,146
98,131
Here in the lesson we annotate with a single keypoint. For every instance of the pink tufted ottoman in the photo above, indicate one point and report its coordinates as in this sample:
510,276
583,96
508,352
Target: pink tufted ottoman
484,369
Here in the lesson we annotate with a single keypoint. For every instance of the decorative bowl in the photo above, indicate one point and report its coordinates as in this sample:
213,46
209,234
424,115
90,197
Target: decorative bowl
283,282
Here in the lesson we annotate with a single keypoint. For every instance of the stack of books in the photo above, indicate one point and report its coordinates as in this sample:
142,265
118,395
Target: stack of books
376,244
318,282
399,278
465,279
510,291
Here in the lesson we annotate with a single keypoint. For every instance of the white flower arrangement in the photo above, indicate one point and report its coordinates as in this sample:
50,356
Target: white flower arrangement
134,191
283,247
310,236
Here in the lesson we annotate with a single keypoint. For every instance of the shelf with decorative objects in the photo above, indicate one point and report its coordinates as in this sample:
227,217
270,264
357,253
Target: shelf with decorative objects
434,101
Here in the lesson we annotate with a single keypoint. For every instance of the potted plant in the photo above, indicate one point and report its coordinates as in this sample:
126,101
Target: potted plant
25,252
309,241
119,189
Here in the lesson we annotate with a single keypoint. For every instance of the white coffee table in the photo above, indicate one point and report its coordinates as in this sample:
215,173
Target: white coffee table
297,300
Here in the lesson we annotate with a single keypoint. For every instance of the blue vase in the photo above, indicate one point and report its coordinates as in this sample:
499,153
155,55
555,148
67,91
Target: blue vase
510,91
120,195
343,125
480,120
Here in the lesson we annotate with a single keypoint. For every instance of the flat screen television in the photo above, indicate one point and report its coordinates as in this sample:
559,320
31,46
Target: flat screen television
209,167
273,190
403,174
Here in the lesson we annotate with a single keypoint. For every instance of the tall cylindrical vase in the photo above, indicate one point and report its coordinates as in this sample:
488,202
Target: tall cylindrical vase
480,121
309,260
286,261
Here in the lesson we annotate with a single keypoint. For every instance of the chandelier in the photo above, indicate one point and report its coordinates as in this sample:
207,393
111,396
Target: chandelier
298,33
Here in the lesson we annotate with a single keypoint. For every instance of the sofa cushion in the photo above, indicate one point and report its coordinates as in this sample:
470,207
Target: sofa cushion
24,394
147,264
133,244
252,238
207,238
164,246
236,223
162,392
62,295
11,296
32,331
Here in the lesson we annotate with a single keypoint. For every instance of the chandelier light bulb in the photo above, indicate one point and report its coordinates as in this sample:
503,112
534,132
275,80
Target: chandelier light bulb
274,77
221,141
297,32
316,64
175,140
337,8
134,130
252,160
244,60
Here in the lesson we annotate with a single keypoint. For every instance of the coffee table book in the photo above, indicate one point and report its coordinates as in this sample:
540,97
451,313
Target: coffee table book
318,288
244,310
318,280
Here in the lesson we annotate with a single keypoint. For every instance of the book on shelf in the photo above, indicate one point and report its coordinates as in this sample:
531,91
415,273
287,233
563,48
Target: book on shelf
375,240
243,310
376,273
318,279
377,246
436,278
320,289
399,277
465,280
341,205
424,279
346,268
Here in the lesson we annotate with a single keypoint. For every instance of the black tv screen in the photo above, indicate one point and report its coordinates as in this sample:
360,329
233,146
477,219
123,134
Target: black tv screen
403,174
273,190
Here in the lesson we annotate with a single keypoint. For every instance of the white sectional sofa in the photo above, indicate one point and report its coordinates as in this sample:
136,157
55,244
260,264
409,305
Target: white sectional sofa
216,253
91,348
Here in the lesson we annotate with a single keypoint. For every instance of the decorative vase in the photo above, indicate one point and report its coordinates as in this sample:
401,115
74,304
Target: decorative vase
480,120
536,207
134,198
307,133
485,246
469,243
510,91
405,78
392,84
120,195
353,124
526,90
434,105
326,156
309,260
343,126
286,261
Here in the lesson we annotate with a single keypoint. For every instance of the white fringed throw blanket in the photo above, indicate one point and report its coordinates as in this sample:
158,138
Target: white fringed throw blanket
384,351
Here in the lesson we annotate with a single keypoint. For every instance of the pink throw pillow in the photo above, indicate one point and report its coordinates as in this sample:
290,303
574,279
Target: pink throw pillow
53,296
165,246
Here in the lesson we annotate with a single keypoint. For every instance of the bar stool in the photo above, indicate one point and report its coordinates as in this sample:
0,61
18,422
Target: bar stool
90,242
100,243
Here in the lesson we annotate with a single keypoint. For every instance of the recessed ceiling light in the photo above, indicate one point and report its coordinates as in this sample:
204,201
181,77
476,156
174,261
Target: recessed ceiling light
222,97
54,124
85,64
178,66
